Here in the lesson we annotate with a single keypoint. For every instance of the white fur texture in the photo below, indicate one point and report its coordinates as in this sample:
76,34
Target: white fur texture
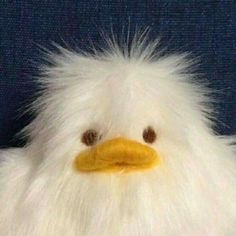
119,93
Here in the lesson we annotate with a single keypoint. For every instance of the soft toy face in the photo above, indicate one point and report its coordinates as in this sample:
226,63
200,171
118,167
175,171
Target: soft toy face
119,153
127,140
117,117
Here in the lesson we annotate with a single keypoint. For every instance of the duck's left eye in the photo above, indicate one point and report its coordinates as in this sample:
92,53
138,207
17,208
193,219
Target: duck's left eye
149,135
90,137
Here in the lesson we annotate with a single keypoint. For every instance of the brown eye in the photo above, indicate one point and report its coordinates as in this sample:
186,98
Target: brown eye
89,137
149,135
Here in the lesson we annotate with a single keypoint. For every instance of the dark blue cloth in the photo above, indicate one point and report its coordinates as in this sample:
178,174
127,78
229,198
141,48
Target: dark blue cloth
206,28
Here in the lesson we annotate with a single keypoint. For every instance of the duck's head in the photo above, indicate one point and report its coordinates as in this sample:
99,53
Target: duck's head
114,112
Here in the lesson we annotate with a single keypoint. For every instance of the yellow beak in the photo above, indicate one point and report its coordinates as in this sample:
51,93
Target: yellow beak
117,155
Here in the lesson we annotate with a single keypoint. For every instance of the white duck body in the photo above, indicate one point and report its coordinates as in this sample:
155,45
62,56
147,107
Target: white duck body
192,190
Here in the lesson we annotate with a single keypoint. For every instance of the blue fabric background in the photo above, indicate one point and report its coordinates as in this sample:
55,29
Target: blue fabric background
207,28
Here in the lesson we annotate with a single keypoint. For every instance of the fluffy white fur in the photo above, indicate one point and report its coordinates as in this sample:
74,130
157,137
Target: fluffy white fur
119,93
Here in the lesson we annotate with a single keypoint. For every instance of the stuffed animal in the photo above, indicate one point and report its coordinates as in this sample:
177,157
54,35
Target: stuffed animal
122,144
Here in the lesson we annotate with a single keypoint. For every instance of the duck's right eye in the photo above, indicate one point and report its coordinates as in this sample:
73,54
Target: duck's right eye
90,137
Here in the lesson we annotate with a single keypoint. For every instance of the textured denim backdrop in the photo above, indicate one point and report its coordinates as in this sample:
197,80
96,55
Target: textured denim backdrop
207,28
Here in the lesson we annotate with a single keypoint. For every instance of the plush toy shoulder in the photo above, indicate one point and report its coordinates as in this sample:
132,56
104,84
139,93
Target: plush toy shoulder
14,166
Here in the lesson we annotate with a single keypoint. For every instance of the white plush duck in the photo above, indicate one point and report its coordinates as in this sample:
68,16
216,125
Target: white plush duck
122,145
